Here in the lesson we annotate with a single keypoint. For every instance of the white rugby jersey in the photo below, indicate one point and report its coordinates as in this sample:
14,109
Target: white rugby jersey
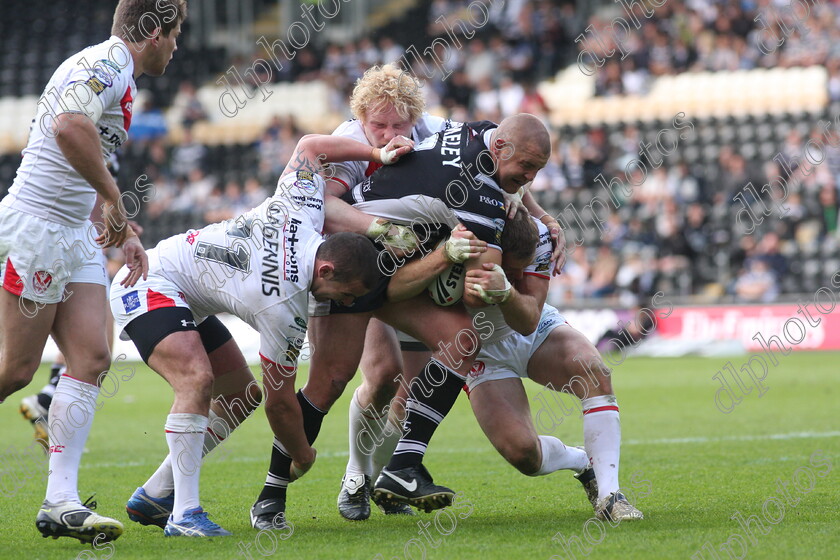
99,82
492,314
351,173
257,266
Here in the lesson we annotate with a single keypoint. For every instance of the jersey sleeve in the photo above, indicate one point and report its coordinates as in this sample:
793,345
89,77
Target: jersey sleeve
541,265
429,125
93,89
302,193
486,228
348,173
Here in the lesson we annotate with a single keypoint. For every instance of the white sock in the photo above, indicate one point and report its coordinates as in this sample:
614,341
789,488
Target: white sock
185,436
70,419
162,482
556,456
390,438
365,431
602,439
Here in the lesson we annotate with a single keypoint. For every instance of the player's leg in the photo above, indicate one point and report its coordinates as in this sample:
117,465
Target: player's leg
432,394
180,358
415,356
35,408
337,341
24,327
156,318
236,395
567,361
79,331
502,410
369,411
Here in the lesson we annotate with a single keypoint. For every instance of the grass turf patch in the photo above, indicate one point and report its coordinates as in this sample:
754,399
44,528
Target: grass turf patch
691,467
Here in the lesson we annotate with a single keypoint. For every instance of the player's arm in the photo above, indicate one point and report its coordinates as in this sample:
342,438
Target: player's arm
416,275
524,308
313,150
284,414
520,303
558,240
472,297
78,140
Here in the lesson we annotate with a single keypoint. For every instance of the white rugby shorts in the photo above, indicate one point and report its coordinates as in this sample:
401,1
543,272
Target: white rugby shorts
38,258
155,292
508,357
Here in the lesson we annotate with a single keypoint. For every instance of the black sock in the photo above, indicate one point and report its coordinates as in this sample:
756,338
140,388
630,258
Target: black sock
45,399
281,462
429,401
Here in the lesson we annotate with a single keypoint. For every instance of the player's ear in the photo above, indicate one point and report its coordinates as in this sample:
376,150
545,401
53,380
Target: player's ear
503,149
325,270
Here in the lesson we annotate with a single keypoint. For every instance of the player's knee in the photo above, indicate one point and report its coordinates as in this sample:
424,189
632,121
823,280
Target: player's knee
14,381
381,393
253,397
524,456
100,362
197,380
17,370
593,374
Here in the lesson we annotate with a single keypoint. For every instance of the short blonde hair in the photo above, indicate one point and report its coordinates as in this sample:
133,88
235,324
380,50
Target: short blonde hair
387,85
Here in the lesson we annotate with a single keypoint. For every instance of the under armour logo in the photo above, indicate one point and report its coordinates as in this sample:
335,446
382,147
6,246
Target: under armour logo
184,323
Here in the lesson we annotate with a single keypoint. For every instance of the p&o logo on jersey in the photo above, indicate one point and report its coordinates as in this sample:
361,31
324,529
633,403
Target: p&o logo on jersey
491,201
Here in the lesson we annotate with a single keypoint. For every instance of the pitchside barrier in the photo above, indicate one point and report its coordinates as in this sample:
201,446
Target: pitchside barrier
680,330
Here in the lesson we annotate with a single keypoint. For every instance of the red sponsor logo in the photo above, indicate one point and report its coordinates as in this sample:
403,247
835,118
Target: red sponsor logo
477,368
191,237
41,281
56,448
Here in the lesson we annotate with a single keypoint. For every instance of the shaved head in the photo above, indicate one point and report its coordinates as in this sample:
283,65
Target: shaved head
525,129
520,147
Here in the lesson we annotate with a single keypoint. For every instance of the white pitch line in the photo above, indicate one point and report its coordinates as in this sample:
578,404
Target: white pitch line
461,450
792,435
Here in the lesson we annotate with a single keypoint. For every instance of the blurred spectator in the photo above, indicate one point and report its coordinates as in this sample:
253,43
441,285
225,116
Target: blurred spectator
188,106
601,281
189,155
756,283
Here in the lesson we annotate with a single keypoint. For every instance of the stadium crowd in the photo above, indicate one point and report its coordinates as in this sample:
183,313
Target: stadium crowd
677,231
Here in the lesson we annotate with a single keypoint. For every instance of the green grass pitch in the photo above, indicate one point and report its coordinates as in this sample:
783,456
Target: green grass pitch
691,467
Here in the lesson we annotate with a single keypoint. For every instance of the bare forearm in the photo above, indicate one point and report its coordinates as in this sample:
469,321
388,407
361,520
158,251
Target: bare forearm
341,216
313,150
521,312
286,421
416,275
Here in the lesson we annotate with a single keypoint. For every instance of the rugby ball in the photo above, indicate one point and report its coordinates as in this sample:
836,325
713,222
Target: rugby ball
448,288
